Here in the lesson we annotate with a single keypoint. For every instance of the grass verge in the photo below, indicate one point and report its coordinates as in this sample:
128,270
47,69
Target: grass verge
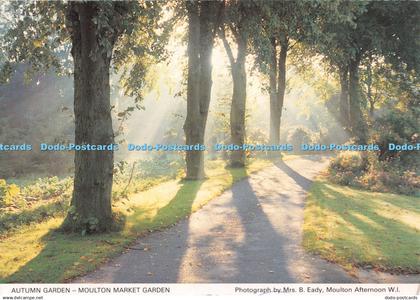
38,253
356,228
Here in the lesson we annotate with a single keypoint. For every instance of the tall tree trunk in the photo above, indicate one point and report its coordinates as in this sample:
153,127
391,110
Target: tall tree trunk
238,107
201,33
281,85
357,121
192,127
369,88
344,97
93,169
371,108
274,109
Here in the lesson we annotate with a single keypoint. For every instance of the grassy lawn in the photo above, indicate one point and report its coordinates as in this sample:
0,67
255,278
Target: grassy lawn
38,253
360,228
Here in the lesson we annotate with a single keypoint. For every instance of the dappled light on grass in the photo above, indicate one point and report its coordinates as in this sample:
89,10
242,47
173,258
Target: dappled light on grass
41,246
360,228
30,245
408,216
147,209
74,255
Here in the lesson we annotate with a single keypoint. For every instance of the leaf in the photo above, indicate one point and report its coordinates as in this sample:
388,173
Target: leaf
37,43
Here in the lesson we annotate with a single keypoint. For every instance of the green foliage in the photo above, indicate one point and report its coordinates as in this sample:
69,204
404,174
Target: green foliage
337,40
160,165
142,45
76,223
11,221
257,136
46,198
368,172
391,178
399,26
377,40
298,22
396,170
220,128
372,28
49,197
36,36
298,136
39,36
9,195
398,127
347,167
46,188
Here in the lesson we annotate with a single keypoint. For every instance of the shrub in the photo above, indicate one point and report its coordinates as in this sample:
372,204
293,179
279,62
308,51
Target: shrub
298,136
367,171
168,165
346,167
398,127
10,195
46,188
10,220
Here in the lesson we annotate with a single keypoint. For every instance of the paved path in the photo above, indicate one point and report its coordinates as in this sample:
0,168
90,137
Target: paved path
251,233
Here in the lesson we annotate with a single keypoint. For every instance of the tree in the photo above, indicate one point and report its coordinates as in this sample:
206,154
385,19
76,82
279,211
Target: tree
376,29
92,109
203,17
374,84
398,28
283,24
238,17
342,47
93,30
278,19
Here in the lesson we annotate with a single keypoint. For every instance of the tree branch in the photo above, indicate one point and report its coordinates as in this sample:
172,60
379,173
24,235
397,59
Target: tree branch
234,32
295,43
227,46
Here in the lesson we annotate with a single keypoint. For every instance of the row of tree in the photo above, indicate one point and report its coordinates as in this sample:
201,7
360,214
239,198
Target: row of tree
127,37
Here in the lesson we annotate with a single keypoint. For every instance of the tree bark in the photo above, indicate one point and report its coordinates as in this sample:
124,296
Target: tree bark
369,88
274,109
281,85
371,108
192,127
238,107
344,97
357,121
93,122
201,32
277,86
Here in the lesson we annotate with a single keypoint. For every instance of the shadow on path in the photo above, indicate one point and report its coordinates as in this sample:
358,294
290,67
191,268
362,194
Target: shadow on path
262,251
251,233
304,182
151,266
